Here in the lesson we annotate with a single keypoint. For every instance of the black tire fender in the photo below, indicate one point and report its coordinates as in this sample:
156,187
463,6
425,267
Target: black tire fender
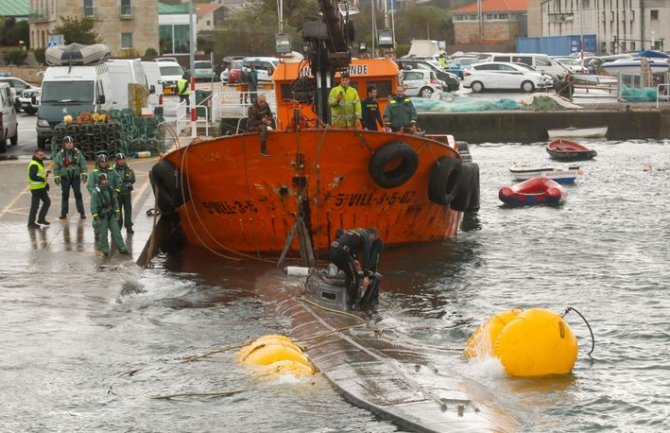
393,150
165,180
443,179
466,191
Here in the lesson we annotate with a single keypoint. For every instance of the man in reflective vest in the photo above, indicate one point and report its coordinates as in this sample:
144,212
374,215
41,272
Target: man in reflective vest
400,114
127,177
354,250
345,106
183,90
105,211
39,187
70,171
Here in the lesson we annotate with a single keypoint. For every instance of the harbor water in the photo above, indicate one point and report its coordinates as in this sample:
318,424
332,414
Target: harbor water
91,346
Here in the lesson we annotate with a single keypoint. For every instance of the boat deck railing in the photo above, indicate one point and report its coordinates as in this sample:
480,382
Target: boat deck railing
230,100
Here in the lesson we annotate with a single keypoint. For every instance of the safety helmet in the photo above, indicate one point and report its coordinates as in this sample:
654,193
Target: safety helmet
120,155
102,158
67,139
103,176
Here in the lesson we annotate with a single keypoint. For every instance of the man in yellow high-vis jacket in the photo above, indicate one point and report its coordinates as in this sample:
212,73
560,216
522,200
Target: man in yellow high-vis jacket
39,187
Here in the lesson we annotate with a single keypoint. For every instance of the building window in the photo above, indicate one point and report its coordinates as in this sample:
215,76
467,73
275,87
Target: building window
654,14
174,39
632,46
89,9
126,8
209,23
126,40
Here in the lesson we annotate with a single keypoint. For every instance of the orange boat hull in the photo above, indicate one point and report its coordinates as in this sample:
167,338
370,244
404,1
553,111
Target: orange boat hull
241,201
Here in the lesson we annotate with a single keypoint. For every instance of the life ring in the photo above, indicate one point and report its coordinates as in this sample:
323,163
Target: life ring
443,179
401,172
165,181
466,191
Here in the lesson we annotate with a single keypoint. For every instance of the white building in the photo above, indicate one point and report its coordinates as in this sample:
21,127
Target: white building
619,25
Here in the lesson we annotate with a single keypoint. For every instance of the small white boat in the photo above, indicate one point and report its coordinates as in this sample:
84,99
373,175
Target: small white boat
572,132
76,54
634,66
558,174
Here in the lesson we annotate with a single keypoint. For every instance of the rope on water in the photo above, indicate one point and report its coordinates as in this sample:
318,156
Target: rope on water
197,394
593,339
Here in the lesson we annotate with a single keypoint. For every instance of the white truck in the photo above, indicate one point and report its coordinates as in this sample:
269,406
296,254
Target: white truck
123,72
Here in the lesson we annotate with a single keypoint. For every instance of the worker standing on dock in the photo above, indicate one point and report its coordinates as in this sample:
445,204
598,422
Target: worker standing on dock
345,106
105,211
126,176
364,244
102,166
70,171
400,114
39,190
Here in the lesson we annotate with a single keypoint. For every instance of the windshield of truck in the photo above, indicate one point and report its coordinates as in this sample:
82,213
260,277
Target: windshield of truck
67,91
166,71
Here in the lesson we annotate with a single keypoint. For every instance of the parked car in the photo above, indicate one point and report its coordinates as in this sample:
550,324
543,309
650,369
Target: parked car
451,80
548,79
166,59
18,86
421,82
573,64
203,71
225,64
232,73
459,64
171,72
265,66
501,75
541,62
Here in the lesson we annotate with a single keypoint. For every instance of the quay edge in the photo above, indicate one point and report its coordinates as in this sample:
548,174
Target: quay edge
625,123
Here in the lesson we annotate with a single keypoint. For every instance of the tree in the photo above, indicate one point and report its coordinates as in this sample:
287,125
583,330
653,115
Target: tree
77,29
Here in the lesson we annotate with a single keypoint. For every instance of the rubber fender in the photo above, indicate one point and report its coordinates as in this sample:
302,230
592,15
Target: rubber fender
290,367
406,159
165,180
480,344
466,191
443,179
535,343
268,340
266,354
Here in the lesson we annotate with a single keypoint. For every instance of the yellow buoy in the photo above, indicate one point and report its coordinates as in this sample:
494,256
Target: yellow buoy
289,367
272,348
480,344
535,342
268,340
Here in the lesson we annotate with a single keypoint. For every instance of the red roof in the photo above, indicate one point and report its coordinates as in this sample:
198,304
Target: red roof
495,6
203,9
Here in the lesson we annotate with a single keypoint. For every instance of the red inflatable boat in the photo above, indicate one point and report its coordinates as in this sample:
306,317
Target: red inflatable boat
536,190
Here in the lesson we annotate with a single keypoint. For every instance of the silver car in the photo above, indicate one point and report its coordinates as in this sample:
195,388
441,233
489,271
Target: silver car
421,82
502,75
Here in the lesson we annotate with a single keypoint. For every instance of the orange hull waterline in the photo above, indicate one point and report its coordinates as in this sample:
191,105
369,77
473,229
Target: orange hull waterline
242,201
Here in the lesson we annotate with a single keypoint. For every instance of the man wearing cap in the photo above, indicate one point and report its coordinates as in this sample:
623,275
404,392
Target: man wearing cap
39,190
127,177
354,249
345,106
105,211
69,172
102,166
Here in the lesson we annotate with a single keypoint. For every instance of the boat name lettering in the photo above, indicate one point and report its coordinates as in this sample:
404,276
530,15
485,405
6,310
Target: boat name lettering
229,207
372,199
353,70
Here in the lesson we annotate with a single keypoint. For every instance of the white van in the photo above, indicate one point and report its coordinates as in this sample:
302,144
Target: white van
153,74
265,66
9,125
123,72
71,90
540,62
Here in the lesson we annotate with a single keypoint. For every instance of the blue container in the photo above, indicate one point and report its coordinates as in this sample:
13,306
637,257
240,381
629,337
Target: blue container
556,45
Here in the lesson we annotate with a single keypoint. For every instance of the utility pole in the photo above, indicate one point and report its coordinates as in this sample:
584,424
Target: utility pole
192,42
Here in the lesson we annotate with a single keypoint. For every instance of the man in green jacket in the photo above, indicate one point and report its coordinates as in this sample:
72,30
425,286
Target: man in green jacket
345,106
127,177
102,166
105,211
70,171
400,114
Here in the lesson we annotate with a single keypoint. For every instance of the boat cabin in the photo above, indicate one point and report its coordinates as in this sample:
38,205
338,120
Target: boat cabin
294,86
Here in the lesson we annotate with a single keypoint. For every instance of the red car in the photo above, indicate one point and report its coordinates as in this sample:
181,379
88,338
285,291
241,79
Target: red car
232,73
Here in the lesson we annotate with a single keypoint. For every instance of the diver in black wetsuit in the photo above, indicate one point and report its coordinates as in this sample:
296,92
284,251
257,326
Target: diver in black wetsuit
365,245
